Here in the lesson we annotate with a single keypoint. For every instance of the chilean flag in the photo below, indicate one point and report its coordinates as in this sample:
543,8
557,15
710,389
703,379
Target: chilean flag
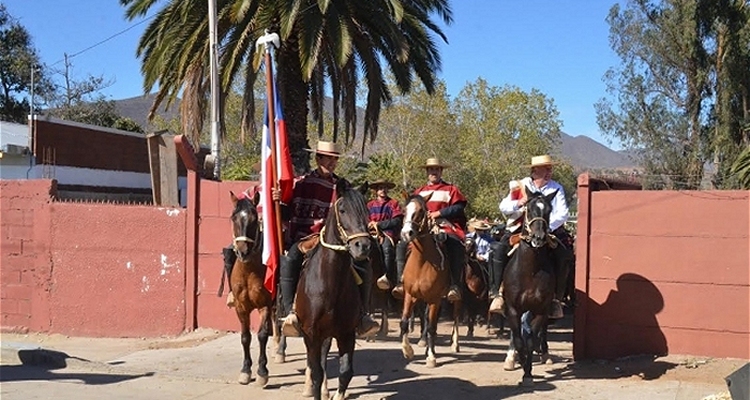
283,172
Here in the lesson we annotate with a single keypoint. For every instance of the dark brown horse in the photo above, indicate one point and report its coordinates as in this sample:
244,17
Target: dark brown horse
529,284
246,281
426,277
476,276
328,303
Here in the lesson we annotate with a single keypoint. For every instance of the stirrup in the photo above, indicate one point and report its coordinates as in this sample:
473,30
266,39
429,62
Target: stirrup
398,291
454,294
367,326
383,283
498,305
557,311
289,326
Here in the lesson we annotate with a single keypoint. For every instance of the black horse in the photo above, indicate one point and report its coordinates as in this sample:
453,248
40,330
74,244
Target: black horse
529,283
328,303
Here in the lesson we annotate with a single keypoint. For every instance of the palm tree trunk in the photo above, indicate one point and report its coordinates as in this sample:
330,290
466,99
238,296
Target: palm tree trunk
294,97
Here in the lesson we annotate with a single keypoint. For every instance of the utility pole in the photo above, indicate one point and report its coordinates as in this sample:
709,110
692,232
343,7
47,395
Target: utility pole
214,88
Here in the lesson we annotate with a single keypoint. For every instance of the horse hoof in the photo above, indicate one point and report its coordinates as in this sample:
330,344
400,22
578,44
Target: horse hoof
244,378
324,394
547,359
456,348
527,381
509,365
307,391
261,381
421,343
408,352
339,396
431,363
279,358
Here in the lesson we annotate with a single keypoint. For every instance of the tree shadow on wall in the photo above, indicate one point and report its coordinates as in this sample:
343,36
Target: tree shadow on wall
622,335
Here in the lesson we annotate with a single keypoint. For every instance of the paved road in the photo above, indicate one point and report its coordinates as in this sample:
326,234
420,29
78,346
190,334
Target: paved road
204,365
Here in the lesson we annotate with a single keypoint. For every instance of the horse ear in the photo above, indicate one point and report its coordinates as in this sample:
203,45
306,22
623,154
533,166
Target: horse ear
527,192
427,197
550,197
234,198
256,199
341,186
363,188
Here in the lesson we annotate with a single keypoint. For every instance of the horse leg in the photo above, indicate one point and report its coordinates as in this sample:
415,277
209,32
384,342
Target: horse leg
424,325
515,348
434,310
324,393
246,337
527,348
346,364
406,348
540,325
263,333
456,318
314,374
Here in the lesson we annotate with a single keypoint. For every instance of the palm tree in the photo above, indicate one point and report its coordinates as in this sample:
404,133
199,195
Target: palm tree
337,45
741,168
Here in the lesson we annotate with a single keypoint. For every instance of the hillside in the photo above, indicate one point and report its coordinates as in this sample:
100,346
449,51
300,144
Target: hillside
581,151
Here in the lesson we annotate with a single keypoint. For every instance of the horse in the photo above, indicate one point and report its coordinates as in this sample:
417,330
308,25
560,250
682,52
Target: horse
328,303
246,282
529,285
426,277
476,278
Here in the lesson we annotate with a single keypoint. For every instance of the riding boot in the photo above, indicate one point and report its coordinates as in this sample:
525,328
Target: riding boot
562,256
290,266
398,291
229,259
367,326
384,282
456,263
499,261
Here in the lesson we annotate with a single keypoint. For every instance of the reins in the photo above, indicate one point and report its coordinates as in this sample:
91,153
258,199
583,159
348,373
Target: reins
343,236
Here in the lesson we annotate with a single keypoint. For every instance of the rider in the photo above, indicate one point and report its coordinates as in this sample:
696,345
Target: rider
386,217
482,239
539,181
312,199
446,207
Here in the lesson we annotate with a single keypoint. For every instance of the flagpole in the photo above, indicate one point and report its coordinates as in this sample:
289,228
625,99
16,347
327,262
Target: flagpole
271,40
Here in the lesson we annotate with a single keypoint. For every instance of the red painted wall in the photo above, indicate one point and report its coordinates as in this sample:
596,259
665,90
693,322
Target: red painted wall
663,272
89,269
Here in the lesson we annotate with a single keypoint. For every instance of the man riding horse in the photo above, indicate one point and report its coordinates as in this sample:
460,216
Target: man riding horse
312,199
512,206
385,219
446,205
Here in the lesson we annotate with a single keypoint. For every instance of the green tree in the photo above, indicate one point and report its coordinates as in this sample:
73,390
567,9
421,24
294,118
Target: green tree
17,58
501,129
660,88
325,44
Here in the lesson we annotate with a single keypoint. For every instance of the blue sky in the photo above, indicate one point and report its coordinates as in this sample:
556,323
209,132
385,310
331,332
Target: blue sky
560,47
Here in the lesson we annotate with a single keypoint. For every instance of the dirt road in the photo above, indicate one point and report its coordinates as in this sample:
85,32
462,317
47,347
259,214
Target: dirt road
204,365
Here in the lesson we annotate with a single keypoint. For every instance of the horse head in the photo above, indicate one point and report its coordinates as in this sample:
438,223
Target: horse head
416,217
245,225
350,216
536,220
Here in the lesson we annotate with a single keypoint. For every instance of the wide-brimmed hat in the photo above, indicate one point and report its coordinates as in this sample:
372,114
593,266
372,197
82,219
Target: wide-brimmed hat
481,226
327,149
540,161
381,183
435,162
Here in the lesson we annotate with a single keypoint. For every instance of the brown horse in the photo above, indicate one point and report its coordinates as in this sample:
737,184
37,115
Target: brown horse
476,276
328,302
246,281
426,277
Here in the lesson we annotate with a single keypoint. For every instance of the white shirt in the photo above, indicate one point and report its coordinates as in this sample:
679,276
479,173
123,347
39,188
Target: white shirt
559,214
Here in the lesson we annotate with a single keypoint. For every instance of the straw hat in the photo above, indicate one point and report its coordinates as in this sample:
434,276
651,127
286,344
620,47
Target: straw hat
434,162
382,183
540,161
327,149
481,226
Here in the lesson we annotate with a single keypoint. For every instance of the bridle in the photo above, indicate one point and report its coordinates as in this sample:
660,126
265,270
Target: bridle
254,242
342,234
526,234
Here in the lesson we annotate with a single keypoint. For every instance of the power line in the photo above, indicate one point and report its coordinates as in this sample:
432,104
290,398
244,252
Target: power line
105,40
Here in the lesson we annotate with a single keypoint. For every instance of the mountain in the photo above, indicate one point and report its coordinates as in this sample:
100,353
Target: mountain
585,153
582,152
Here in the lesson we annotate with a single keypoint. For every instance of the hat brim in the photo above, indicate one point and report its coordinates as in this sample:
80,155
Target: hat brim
324,153
546,164
386,185
444,166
